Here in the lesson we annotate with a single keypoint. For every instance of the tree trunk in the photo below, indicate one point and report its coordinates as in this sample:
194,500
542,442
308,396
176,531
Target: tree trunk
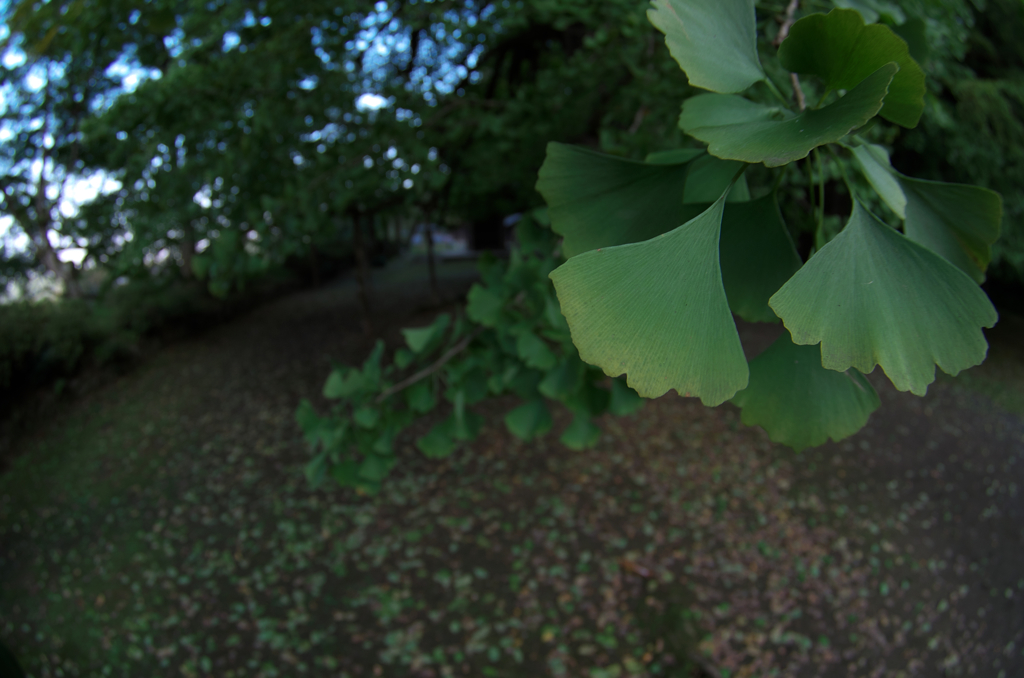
48,257
362,272
187,248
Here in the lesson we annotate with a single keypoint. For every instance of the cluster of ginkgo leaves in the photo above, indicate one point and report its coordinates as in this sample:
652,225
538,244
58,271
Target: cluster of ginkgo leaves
512,339
662,253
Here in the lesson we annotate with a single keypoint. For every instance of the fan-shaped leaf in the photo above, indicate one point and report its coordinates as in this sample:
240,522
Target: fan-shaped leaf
530,420
872,296
581,433
715,43
679,156
657,311
842,51
439,442
956,221
597,200
757,256
420,339
484,305
800,403
534,352
737,129
563,380
874,165
624,400
710,176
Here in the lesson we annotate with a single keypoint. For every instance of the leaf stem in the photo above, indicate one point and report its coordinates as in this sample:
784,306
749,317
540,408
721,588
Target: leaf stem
427,371
842,171
775,90
821,188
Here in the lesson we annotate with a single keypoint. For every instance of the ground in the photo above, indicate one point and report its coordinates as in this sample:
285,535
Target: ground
162,526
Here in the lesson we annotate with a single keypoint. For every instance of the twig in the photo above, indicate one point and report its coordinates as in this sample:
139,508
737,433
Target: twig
794,5
798,91
427,371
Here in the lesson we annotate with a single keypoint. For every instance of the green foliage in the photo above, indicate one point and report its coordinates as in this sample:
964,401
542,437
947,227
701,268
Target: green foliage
736,128
801,403
841,50
655,307
41,342
628,317
511,340
663,252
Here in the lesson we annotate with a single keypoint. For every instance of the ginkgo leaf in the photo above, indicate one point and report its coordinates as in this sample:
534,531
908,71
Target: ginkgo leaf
624,400
529,420
757,256
840,49
679,156
421,338
874,165
956,221
715,43
597,200
581,434
799,402
738,129
872,296
709,177
657,312
484,305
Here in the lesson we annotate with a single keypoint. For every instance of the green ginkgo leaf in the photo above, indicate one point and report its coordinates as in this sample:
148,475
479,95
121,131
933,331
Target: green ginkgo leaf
581,434
420,397
872,296
799,402
757,255
484,305
840,49
623,400
563,380
534,352
420,339
715,43
597,200
709,177
439,441
738,129
956,221
679,156
657,312
529,420
875,166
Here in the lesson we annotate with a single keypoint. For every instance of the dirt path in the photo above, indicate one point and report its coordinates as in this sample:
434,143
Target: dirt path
163,527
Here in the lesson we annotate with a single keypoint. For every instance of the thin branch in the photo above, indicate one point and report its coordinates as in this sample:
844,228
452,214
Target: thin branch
427,371
794,5
787,23
798,91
